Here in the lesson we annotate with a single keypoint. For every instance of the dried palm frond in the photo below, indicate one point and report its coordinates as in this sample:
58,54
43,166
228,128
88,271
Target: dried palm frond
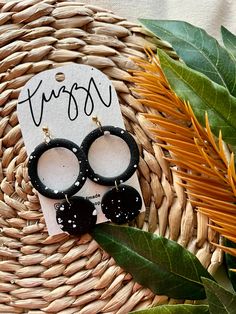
204,166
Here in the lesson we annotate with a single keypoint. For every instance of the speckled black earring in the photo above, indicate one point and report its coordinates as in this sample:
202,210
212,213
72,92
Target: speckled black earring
122,203
75,215
33,168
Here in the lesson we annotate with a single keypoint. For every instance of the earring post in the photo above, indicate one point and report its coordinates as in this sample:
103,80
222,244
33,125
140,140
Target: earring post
97,121
116,185
47,135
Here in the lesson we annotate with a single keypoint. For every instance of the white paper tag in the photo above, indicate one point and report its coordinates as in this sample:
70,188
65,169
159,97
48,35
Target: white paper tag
66,108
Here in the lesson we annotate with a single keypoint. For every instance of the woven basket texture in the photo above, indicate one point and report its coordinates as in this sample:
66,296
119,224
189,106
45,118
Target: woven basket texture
61,274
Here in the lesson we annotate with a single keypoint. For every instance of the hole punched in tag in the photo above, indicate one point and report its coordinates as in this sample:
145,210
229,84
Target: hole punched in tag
60,77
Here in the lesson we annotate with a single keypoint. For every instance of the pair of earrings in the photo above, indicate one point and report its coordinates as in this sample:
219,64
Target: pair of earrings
77,215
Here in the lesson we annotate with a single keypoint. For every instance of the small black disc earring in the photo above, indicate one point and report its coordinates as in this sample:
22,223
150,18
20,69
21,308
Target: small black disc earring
75,215
122,203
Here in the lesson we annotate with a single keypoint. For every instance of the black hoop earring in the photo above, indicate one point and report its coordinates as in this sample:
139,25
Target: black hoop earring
122,203
75,215
33,168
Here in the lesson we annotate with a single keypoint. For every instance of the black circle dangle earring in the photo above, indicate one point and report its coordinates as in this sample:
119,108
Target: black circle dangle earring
122,203
75,215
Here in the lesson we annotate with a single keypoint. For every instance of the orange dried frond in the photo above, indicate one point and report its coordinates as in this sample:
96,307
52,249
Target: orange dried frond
163,134
168,124
210,210
201,187
196,125
220,150
188,176
231,174
226,206
226,228
163,106
206,171
191,165
227,249
212,164
201,184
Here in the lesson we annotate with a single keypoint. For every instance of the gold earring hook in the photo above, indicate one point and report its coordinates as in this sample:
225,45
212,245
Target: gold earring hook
116,185
66,197
47,135
97,121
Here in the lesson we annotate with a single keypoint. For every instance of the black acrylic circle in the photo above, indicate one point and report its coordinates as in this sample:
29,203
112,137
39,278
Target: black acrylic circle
33,168
76,216
122,205
134,153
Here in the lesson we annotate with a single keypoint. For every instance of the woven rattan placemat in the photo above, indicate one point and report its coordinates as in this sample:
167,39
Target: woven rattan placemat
62,274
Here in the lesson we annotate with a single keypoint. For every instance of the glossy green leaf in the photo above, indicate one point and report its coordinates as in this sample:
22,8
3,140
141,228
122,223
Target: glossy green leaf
220,300
176,309
204,96
198,50
155,262
229,40
230,262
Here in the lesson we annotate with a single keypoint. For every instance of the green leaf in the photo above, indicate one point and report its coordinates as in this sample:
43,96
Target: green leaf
176,309
229,40
230,262
199,50
220,301
203,95
155,262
